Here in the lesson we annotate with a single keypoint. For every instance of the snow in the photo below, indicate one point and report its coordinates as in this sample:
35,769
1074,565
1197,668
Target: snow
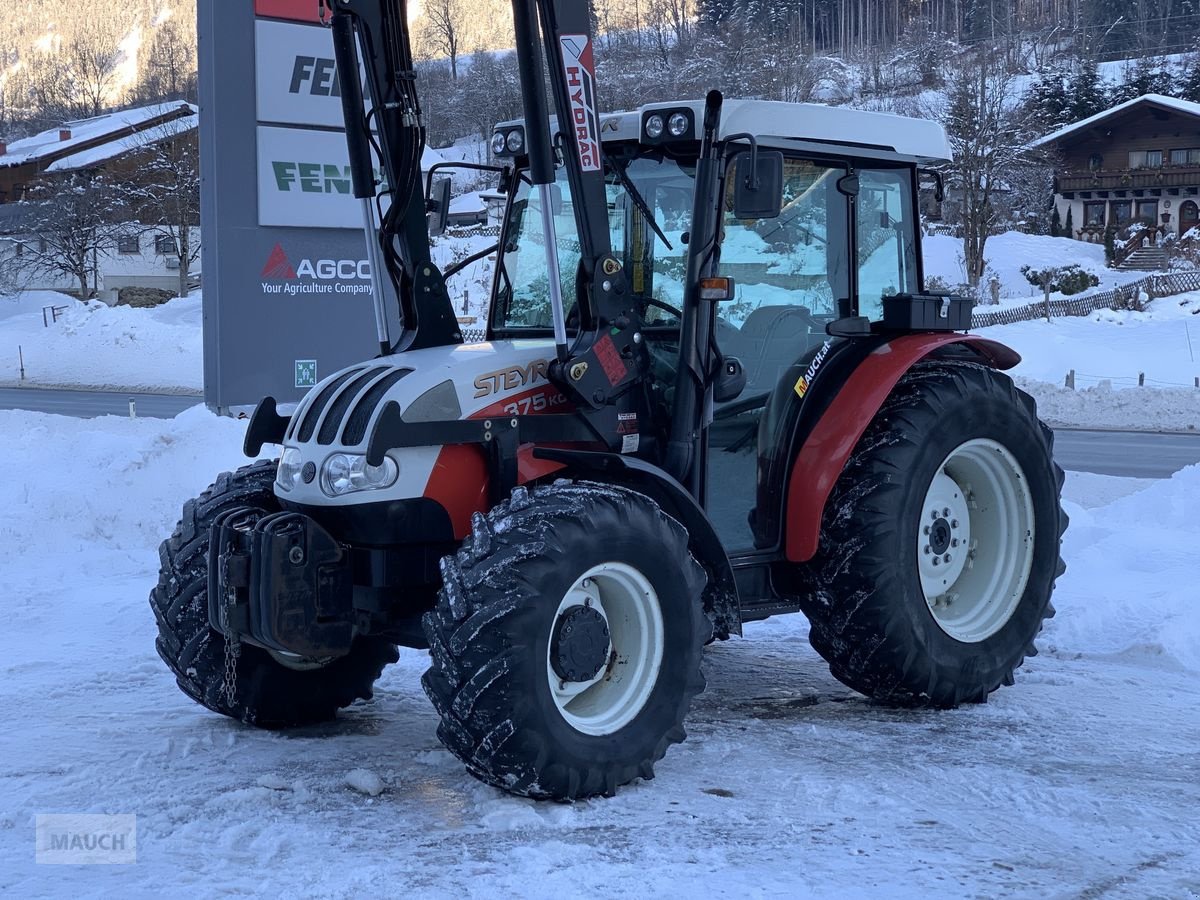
85,131
1173,104
97,346
1114,346
1006,253
1081,780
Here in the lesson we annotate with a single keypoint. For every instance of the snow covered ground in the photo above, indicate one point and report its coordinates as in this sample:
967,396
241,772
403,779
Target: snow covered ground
1081,781
1007,253
97,346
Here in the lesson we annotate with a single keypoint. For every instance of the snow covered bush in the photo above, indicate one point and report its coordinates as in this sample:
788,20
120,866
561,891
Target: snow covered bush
1066,280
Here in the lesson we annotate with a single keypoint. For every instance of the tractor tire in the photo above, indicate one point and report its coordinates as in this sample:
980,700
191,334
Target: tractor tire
268,693
535,695
940,543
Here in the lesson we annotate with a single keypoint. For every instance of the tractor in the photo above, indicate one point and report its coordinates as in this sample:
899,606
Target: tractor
713,389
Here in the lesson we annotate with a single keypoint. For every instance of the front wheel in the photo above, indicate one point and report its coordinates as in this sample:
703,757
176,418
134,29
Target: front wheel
270,690
940,543
565,645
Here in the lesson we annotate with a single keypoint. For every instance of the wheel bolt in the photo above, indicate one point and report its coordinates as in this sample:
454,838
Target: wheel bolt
946,557
954,542
927,529
928,550
933,515
946,511
954,523
936,561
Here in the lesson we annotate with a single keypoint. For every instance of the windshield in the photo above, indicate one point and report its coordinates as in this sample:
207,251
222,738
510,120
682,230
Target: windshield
654,269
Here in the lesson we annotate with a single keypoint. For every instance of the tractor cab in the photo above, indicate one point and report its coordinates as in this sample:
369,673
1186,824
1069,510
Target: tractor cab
840,234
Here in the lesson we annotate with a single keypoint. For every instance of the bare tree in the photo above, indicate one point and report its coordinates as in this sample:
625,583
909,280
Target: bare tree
75,219
168,62
82,77
164,195
989,143
443,30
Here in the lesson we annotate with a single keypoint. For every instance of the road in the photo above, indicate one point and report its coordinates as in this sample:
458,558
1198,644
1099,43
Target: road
1127,453
88,404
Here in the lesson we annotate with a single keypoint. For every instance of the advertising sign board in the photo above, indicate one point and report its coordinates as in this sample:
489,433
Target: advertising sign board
287,290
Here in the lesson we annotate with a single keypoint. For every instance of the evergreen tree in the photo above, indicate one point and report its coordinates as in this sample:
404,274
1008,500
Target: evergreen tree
1069,228
1189,76
1056,226
1086,94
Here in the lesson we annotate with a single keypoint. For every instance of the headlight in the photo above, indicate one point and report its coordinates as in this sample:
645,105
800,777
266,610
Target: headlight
516,141
498,143
677,124
654,127
290,464
345,473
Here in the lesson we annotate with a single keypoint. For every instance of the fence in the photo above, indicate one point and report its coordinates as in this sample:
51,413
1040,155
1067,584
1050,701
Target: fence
1160,285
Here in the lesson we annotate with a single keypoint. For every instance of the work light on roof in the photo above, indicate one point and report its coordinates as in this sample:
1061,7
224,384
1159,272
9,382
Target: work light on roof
498,143
677,124
654,127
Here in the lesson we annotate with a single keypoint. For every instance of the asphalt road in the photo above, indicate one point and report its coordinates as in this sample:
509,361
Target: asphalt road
89,404
1127,453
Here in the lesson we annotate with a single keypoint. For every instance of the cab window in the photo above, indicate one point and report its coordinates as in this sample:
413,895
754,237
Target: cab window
885,238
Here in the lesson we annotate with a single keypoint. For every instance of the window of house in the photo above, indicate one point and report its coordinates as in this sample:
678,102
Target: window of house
1189,157
1095,162
1146,159
164,245
129,243
1147,211
1093,213
1122,213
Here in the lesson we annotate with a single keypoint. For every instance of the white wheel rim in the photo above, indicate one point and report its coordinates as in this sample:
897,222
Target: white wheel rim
978,512
619,691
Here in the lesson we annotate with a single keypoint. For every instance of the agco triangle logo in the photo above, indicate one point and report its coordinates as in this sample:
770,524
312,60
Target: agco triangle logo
278,267
314,276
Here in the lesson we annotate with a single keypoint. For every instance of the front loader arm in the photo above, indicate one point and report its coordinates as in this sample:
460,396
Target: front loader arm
376,33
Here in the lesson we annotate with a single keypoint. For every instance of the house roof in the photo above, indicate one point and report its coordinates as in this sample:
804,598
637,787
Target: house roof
101,138
1172,104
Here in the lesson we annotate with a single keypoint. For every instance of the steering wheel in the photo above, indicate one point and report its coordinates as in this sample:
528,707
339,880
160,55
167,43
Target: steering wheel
654,301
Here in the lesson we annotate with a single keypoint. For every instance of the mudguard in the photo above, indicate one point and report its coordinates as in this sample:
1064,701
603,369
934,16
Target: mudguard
720,594
826,450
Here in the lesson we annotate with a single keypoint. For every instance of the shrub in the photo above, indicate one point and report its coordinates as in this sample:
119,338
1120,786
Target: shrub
1066,280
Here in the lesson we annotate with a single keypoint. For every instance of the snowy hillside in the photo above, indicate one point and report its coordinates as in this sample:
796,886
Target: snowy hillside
1079,781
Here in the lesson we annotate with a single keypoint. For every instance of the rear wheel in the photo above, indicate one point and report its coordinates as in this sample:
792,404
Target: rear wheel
565,645
940,544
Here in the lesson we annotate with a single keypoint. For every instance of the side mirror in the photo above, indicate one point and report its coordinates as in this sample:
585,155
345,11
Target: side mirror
438,207
758,191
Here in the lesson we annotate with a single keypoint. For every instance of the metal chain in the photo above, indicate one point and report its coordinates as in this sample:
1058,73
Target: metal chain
233,649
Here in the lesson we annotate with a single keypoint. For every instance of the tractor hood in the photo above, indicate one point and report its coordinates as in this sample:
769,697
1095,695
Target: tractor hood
430,385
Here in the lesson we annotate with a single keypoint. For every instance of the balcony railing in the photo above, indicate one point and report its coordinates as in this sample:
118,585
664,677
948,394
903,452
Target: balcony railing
1128,179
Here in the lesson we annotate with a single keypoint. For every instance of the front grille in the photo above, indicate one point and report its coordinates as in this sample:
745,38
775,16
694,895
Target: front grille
312,415
341,403
356,425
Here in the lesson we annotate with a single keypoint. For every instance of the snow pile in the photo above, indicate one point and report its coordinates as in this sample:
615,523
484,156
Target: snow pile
1131,582
1141,409
1007,253
100,494
97,346
1163,343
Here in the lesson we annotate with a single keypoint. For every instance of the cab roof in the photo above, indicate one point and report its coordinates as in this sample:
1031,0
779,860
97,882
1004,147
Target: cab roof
857,131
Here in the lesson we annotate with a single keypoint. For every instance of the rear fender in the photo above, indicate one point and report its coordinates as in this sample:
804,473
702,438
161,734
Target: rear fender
855,402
